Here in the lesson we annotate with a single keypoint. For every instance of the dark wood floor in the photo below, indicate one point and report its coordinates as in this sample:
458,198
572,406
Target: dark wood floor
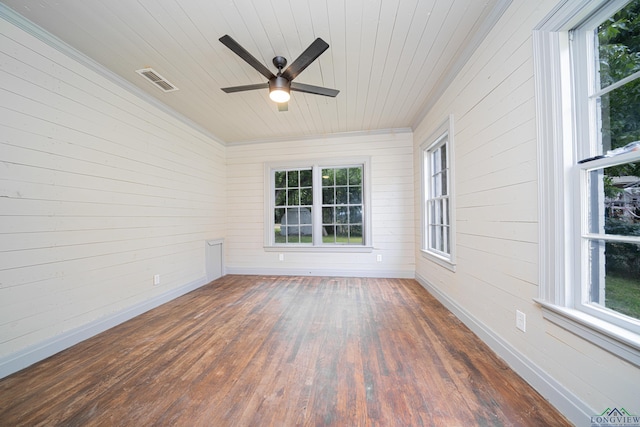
280,351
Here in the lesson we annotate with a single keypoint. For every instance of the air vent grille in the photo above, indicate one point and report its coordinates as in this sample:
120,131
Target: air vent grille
154,77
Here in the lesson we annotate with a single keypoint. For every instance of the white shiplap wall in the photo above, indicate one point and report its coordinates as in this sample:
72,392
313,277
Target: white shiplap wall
392,206
493,104
99,191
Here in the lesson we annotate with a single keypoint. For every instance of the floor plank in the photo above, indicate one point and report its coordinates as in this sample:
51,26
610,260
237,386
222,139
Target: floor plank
280,351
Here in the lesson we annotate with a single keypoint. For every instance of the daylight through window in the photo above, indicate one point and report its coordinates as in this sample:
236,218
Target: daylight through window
437,209
320,205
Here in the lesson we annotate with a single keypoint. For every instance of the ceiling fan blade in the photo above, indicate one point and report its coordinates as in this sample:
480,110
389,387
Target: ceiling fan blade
245,87
249,59
316,90
283,106
305,59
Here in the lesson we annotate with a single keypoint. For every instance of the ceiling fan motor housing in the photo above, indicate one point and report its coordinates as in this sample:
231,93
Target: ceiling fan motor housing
279,83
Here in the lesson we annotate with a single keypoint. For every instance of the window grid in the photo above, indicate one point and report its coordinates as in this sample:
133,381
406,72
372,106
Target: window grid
610,230
318,206
438,233
293,219
342,205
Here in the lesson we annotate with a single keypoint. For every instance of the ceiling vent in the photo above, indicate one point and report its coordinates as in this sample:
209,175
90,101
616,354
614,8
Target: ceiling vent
155,78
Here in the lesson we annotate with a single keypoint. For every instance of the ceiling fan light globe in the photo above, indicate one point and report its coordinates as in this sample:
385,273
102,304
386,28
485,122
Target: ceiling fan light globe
279,95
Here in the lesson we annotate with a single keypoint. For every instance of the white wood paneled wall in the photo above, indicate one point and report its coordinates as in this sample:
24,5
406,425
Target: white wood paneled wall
392,206
493,104
99,191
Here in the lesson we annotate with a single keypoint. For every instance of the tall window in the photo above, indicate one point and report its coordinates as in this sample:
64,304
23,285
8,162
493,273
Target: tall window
321,205
590,172
437,202
608,46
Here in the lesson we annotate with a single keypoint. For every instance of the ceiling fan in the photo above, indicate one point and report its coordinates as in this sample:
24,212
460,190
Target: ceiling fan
281,84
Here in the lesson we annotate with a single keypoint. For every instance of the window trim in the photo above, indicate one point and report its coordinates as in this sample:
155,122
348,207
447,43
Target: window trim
557,195
269,207
445,129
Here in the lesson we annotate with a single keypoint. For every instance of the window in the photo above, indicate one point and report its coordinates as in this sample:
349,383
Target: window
437,206
342,205
323,205
293,205
588,91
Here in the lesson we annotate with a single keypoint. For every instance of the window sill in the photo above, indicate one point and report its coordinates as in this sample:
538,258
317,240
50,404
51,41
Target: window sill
309,248
438,259
616,340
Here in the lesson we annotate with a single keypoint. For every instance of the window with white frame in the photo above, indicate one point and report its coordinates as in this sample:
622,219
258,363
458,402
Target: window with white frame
437,206
588,90
319,205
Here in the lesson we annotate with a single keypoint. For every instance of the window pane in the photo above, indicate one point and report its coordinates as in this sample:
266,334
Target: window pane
618,47
444,183
434,237
355,214
306,179
432,211
341,195
293,197
306,196
278,214
355,176
280,179
327,177
341,215
615,276
327,216
342,234
355,195
355,235
328,196
620,116
443,157
292,178
437,185
614,200
445,240
435,161
445,211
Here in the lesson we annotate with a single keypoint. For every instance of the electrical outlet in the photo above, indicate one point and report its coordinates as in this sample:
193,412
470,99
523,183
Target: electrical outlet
379,257
156,279
280,257
521,321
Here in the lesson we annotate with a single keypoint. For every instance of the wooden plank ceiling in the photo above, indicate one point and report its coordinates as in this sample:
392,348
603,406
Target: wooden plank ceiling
388,58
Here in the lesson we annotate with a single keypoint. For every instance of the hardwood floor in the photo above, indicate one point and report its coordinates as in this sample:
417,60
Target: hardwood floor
280,351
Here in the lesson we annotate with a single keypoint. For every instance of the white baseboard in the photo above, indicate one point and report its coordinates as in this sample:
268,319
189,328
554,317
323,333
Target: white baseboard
570,405
35,353
397,274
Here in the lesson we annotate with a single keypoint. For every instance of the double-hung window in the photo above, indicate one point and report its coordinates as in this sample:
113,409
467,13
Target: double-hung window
588,89
318,205
437,203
